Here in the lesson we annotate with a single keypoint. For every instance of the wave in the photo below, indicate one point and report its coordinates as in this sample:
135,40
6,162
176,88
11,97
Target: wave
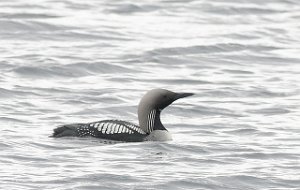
206,49
71,70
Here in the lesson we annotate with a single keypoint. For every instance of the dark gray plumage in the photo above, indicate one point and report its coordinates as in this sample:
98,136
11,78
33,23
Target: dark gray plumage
150,126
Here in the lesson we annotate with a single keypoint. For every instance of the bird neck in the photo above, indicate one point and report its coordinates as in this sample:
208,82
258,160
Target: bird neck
157,123
150,121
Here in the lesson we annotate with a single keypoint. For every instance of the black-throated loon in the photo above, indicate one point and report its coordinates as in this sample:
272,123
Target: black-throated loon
150,127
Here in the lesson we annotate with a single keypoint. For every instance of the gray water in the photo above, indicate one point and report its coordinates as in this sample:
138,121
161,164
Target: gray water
81,61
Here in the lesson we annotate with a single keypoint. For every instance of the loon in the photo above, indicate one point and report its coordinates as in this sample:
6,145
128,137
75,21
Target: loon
150,127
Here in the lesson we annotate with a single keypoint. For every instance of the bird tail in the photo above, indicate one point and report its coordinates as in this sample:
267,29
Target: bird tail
66,130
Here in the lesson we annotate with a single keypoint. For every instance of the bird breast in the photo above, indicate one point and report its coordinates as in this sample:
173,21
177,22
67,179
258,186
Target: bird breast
159,135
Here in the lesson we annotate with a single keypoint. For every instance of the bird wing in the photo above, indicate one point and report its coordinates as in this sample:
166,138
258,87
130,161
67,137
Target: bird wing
106,129
116,127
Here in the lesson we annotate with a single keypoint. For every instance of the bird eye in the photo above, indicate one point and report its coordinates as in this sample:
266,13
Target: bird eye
165,96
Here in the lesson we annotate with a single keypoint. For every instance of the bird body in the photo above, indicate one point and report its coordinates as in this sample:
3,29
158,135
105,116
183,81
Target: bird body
150,127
